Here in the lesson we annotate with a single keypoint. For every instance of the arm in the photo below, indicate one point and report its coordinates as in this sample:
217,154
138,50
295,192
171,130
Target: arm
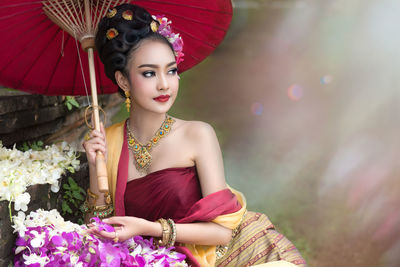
96,142
202,233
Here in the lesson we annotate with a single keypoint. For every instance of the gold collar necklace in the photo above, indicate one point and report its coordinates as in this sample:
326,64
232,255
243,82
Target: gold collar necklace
141,151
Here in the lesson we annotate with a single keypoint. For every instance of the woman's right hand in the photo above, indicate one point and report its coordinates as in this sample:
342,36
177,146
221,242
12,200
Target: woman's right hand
97,142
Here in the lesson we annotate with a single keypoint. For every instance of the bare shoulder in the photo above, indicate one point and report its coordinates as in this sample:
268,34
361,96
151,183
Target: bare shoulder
195,130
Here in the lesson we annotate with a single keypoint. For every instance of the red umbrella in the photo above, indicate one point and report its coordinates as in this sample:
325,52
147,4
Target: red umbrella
40,51
37,56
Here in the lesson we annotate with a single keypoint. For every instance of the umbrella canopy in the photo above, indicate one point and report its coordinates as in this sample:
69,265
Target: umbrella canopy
37,56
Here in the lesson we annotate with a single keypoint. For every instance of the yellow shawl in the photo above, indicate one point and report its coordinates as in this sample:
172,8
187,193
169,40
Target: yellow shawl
205,255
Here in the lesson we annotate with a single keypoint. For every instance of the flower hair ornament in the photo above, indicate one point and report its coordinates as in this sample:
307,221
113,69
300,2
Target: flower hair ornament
163,28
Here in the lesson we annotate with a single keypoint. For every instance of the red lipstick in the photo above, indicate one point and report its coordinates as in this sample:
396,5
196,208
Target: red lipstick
162,98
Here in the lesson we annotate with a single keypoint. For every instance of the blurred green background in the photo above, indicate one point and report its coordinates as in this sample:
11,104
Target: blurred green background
304,97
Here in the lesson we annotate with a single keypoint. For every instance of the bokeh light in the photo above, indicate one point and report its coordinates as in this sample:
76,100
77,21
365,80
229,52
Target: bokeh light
326,79
257,108
295,92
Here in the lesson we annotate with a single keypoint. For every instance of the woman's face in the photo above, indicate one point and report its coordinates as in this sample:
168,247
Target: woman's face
153,77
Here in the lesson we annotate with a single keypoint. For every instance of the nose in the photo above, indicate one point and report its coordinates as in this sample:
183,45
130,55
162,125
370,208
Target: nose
162,82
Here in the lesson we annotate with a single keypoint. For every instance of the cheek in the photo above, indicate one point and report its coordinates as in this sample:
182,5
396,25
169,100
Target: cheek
174,84
140,87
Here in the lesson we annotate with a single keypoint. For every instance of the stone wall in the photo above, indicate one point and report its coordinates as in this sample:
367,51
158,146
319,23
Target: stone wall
25,117
41,197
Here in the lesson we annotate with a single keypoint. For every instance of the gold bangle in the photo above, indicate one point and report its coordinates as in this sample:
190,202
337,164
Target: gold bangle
92,195
107,198
172,238
103,211
166,232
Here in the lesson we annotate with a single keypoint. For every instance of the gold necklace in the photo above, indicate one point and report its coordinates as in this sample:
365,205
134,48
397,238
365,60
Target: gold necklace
141,152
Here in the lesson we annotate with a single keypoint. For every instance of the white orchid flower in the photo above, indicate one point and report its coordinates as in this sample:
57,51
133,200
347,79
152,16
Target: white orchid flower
39,239
34,258
22,201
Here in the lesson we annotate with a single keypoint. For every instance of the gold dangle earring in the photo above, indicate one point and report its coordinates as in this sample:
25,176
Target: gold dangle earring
128,101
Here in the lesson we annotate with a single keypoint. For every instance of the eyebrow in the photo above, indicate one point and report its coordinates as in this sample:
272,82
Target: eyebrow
156,66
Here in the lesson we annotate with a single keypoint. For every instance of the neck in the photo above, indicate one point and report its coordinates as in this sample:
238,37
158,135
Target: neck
144,124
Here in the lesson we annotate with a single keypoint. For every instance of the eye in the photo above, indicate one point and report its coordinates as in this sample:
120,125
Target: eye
148,74
173,71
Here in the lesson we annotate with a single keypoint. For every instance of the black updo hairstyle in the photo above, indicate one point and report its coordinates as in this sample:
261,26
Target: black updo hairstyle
115,53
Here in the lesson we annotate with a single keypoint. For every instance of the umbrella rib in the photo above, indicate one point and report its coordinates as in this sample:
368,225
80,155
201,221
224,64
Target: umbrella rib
75,75
34,62
184,5
55,67
189,19
28,45
20,13
11,26
21,4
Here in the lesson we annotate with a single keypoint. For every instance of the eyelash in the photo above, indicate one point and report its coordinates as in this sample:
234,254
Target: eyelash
145,74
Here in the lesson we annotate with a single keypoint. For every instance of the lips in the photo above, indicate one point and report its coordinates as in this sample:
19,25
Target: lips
162,98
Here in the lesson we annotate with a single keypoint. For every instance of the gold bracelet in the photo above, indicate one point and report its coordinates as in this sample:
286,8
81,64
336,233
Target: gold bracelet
92,195
103,211
166,232
172,239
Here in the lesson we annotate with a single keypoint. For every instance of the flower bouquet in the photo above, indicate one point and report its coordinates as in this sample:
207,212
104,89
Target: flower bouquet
21,169
45,239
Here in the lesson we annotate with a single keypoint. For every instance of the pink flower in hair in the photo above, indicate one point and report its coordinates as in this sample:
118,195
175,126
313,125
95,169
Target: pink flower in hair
174,38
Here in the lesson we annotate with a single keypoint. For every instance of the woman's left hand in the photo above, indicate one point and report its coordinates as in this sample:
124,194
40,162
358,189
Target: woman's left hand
126,227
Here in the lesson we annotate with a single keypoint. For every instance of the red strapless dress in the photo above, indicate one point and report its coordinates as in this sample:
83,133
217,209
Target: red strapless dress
169,193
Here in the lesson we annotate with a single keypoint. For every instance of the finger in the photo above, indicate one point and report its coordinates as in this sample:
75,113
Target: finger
114,220
93,231
109,235
96,133
97,140
95,147
118,228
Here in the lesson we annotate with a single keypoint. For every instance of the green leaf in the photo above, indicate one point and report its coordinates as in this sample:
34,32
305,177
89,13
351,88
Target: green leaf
66,187
82,191
77,195
39,143
69,106
74,102
66,208
25,146
73,201
72,182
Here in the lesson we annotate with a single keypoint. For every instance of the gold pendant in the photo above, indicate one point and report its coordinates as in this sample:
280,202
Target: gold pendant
143,158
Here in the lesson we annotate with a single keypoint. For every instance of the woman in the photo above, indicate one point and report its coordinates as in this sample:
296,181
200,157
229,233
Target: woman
169,185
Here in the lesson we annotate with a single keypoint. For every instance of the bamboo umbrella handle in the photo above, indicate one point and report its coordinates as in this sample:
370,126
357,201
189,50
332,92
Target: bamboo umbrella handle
101,168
